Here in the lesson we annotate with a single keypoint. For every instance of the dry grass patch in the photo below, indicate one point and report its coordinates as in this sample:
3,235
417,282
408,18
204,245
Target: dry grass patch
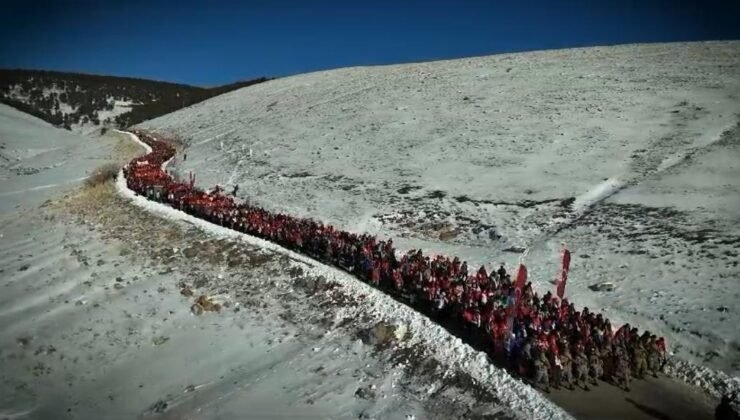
102,174
204,303
448,234
125,150
87,200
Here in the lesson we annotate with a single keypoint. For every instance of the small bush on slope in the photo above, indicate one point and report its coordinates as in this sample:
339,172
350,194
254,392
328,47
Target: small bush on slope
102,174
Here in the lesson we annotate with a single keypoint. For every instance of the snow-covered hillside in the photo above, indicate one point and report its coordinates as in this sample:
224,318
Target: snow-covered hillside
95,321
37,160
628,154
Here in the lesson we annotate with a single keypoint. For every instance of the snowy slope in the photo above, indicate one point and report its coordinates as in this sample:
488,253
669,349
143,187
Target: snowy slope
618,151
91,329
93,323
37,160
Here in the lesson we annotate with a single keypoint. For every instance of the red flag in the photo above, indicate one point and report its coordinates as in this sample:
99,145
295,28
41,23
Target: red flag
563,274
561,284
512,308
566,260
521,277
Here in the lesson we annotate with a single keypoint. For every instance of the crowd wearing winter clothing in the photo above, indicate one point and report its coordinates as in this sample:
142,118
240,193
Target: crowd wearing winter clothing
542,338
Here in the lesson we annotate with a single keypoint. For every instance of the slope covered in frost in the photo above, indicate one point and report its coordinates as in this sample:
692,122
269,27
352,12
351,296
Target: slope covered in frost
96,322
626,153
37,160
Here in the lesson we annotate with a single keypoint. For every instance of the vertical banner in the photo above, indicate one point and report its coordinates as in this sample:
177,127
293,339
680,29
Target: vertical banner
563,274
566,260
521,278
513,307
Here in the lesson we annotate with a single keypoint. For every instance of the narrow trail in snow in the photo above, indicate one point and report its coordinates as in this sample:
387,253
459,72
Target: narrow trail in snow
663,398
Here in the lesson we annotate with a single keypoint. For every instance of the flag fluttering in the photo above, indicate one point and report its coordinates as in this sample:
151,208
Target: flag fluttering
563,274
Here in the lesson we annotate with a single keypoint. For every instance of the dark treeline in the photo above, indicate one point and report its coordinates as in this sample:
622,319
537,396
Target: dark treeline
64,99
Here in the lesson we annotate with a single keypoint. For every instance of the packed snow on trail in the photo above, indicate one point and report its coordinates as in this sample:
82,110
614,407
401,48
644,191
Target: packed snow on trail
627,154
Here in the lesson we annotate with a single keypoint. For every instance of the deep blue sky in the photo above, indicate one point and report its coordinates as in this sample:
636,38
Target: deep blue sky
213,42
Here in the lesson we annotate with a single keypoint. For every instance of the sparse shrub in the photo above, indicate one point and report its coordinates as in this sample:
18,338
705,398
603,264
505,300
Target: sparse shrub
102,174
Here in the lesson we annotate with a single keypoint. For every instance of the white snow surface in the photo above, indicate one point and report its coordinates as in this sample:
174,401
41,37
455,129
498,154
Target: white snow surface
92,325
448,349
74,346
627,154
37,160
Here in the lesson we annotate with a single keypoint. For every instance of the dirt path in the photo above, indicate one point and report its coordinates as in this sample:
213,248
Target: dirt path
662,399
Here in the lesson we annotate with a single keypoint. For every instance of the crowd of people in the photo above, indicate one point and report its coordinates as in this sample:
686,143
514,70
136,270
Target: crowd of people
542,338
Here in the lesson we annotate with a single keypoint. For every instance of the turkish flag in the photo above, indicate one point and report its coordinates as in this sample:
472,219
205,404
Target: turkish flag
563,274
521,277
561,284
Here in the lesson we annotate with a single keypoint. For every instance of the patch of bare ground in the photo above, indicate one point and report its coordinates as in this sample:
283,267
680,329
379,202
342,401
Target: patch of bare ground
102,174
448,233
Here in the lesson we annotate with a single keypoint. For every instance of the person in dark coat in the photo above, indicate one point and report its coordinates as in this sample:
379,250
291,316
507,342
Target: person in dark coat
725,411
501,272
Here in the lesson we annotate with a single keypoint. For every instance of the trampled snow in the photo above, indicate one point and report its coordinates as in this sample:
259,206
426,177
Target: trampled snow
627,154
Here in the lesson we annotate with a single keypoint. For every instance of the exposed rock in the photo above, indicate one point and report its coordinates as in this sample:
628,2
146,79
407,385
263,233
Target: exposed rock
23,341
383,334
185,290
158,407
158,341
602,287
365,392
206,304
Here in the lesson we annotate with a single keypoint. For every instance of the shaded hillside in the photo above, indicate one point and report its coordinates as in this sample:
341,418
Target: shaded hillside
82,101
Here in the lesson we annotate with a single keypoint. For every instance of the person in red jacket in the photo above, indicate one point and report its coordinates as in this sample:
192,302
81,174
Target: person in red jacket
552,343
397,279
375,275
662,351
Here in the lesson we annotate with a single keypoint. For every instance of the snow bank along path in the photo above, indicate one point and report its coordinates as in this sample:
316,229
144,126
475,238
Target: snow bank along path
448,349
